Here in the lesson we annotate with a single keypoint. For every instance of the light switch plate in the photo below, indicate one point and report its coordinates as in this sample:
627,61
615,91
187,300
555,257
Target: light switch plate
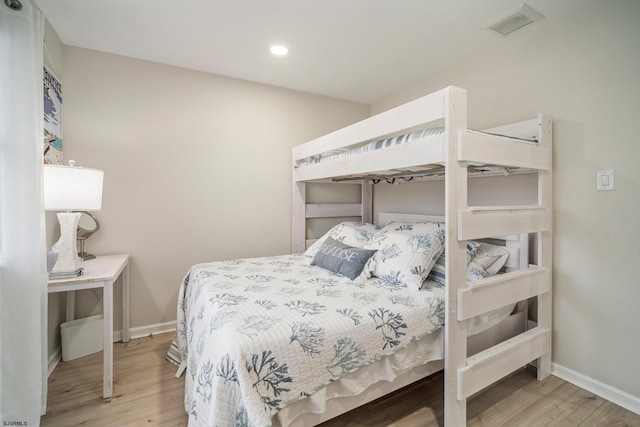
605,180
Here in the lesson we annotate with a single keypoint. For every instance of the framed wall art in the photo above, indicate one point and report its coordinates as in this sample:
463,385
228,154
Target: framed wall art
52,141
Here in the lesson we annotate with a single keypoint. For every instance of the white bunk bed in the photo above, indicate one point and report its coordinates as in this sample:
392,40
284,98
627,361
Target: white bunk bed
238,317
455,155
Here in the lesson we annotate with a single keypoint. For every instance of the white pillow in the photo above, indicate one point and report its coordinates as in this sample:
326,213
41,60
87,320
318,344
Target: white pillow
491,257
356,234
406,252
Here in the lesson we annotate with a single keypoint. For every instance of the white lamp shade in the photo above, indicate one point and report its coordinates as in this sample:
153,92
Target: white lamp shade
72,188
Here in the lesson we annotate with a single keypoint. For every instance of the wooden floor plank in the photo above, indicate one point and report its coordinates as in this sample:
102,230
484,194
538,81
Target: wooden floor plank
498,392
546,410
611,415
146,392
577,409
521,399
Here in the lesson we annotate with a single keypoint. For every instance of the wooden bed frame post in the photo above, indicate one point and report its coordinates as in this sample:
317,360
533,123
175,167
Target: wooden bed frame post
298,218
455,411
367,201
545,244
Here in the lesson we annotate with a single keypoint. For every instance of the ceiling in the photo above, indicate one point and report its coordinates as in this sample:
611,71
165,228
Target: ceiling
359,50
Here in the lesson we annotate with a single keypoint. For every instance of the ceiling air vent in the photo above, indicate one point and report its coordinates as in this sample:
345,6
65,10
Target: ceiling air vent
518,19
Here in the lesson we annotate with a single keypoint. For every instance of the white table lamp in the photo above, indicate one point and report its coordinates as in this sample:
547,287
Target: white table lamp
70,188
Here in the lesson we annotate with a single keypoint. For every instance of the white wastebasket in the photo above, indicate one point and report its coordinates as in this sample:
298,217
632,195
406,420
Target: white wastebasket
81,337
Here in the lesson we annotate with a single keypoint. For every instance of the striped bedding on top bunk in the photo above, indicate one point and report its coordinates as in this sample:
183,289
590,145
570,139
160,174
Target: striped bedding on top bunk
430,135
425,135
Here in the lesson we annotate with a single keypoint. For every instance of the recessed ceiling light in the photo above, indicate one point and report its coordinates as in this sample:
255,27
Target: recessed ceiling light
279,50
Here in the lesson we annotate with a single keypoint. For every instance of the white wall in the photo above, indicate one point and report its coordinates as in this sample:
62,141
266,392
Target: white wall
584,71
197,167
53,60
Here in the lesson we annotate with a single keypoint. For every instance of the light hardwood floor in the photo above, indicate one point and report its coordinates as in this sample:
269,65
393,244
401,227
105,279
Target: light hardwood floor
146,393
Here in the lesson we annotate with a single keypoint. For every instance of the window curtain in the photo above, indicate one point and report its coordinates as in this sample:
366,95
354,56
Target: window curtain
23,275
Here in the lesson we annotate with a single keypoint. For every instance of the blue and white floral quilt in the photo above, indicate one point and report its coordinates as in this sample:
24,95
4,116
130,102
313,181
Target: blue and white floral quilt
259,334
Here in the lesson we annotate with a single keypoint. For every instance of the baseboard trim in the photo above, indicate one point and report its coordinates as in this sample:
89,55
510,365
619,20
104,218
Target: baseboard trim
612,394
145,331
137,332
54,359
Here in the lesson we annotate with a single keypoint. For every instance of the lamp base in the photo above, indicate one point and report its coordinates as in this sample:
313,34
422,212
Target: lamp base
66,248
84,256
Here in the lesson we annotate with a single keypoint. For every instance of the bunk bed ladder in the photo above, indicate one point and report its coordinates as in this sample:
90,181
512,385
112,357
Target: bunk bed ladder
464,375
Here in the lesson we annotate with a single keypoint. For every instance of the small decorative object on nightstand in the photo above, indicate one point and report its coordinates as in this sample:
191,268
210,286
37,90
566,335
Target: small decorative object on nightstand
84,233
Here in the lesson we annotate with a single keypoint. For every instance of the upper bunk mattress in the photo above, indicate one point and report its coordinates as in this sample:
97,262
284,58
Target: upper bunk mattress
433,135
429,160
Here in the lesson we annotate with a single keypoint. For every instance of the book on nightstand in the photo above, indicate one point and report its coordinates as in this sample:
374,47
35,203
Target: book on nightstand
66,274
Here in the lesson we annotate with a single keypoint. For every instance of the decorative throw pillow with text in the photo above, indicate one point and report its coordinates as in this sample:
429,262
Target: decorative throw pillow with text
341,259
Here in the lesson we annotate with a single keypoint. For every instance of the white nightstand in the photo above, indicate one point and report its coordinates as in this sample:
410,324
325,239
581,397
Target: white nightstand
101,272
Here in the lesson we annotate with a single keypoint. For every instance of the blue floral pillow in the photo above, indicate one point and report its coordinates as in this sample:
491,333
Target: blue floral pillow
341,259
356,234
406,252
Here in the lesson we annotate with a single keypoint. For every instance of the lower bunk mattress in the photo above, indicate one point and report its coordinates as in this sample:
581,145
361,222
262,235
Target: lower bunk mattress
277,335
